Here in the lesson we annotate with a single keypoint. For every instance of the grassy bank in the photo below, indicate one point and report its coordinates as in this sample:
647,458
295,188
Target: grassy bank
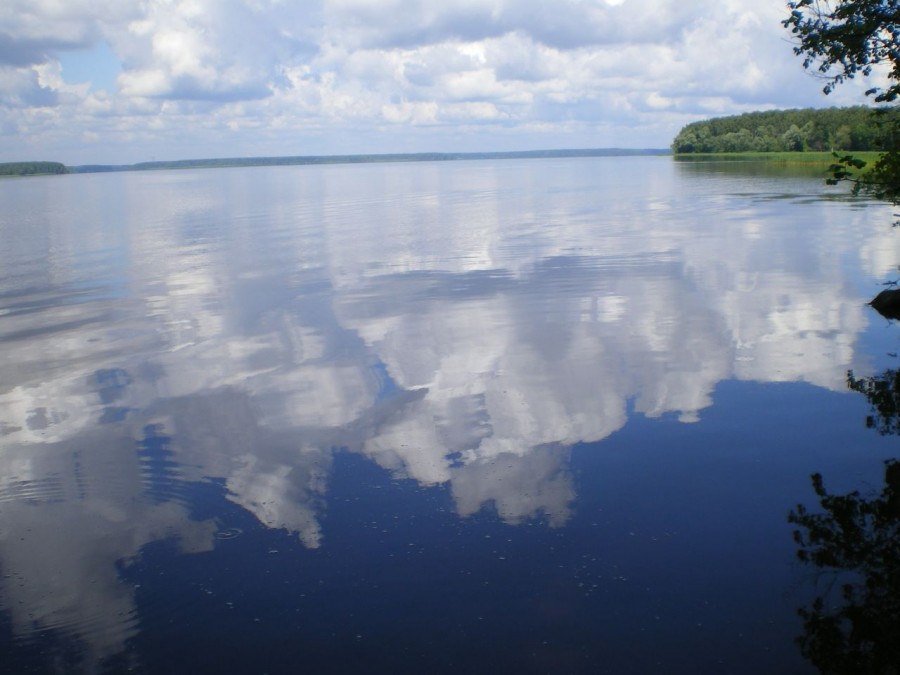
788,164
822,159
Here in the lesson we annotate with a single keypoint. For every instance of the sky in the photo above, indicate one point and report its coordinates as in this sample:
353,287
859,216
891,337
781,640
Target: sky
122,81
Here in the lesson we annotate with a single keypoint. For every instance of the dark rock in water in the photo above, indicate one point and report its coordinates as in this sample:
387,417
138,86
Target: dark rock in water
887,303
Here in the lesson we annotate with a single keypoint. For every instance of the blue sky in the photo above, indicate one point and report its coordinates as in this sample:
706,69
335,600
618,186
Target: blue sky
120,81
97,65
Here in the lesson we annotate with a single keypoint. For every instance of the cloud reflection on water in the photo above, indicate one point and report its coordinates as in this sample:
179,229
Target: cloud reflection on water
462,325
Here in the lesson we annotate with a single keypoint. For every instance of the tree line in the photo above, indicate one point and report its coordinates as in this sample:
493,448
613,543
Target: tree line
31,168
228,162
857,128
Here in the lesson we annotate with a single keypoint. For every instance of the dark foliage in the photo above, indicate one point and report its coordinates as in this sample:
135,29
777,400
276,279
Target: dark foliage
848,38
854,627
887,303
883,393
854,542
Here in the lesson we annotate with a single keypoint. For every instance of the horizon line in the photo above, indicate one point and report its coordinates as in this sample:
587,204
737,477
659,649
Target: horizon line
359,158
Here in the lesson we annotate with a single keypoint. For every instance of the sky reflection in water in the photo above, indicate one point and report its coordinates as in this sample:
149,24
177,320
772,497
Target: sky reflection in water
200,360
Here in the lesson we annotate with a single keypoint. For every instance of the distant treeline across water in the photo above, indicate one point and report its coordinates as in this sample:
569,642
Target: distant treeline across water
36,168
857,128
32,168
360,159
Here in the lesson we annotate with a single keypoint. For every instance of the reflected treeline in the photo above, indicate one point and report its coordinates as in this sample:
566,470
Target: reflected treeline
750,166
853,626
883,393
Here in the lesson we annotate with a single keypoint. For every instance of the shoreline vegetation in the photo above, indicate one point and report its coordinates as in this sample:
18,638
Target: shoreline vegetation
846,130
810,137
33,169
810,158
302,160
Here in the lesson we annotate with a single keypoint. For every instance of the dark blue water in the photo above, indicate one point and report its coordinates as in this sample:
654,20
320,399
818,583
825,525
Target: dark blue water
544,416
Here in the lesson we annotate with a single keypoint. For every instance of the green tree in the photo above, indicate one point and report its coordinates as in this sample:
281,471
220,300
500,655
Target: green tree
686,142
806,129
793,139
841,139
849,38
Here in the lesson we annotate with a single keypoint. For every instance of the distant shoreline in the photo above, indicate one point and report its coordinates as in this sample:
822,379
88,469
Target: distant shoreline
300,160
13,169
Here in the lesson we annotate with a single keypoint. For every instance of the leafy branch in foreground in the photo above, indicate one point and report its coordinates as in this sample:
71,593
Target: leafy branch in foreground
842,170
849,38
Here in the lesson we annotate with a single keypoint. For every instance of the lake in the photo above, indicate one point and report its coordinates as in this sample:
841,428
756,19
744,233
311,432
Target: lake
524,416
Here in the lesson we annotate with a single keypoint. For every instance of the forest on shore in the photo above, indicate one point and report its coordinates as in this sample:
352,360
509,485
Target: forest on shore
856,128
31,168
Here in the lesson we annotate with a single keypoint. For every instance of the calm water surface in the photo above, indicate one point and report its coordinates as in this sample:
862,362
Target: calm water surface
542,416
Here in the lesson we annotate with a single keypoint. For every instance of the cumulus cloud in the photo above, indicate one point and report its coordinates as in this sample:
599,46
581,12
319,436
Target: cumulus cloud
223,50
566,24
206,77
33,32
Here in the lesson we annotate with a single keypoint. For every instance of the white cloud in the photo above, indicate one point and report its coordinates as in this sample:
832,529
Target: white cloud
31,32
226,77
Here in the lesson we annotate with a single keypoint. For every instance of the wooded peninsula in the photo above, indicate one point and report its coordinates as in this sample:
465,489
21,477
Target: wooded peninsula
857,128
